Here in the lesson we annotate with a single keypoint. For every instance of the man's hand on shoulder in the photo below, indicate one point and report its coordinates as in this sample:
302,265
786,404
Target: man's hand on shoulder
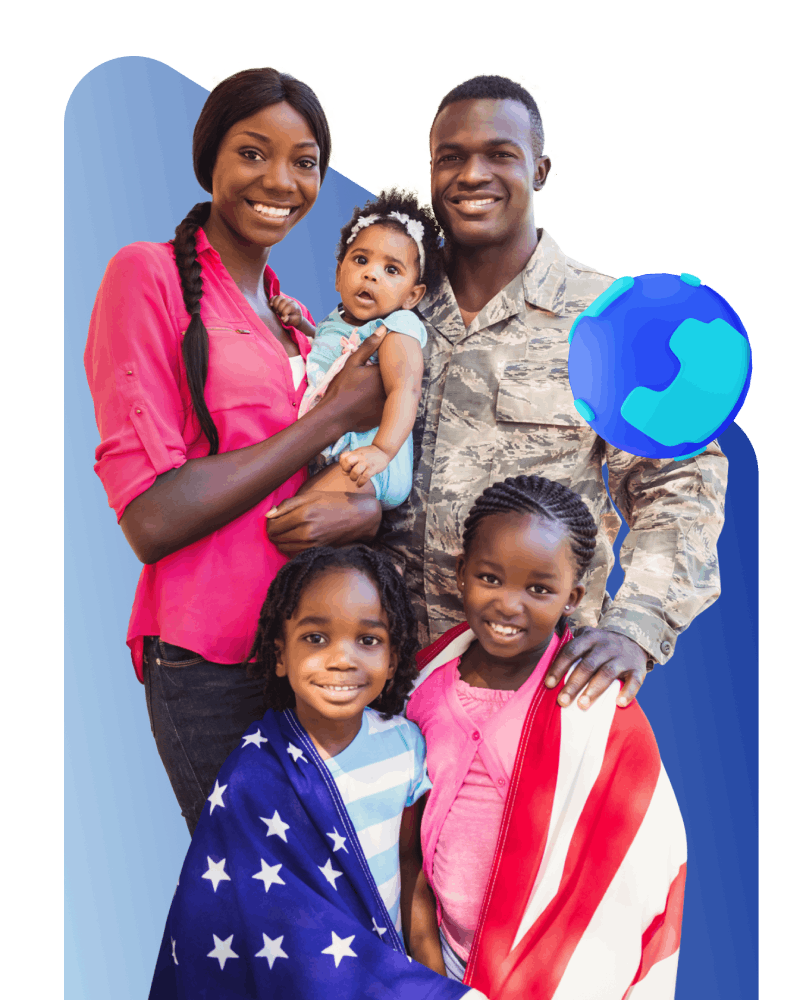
598,657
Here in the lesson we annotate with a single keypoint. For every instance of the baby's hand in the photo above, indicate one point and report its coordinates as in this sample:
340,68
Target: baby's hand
362,463
287,310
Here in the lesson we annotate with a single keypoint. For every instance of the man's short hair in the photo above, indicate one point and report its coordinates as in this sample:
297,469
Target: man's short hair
498,88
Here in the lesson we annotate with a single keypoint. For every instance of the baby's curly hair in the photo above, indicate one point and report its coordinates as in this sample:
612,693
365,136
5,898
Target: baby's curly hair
282,600
406,203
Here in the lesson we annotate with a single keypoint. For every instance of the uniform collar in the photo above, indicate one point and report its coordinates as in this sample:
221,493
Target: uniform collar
542,284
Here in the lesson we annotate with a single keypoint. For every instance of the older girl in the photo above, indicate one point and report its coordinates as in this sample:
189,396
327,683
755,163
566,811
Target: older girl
196,386
552,837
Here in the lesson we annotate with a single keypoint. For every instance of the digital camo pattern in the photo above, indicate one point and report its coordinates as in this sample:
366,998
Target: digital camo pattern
496,402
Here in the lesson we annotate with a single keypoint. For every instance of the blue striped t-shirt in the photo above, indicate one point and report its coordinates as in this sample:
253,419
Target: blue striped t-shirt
381,772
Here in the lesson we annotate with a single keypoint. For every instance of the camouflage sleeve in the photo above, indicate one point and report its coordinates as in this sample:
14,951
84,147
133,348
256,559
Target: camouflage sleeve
675,512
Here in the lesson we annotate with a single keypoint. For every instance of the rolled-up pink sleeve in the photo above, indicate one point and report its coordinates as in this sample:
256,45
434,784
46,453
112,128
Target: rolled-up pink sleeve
132,363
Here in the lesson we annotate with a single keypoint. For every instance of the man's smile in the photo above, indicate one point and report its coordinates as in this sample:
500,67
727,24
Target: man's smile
473,205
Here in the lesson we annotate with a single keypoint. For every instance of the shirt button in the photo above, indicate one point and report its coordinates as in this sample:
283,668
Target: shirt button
294,405
475,736
500,782
129,373
666,647
139,411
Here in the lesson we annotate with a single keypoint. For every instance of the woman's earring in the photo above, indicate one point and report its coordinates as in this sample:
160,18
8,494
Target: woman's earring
568,607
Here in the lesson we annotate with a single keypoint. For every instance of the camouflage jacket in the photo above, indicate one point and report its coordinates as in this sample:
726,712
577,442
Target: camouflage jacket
496,402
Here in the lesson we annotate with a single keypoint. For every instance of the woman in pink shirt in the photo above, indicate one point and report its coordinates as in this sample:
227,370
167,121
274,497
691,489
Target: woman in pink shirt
196,387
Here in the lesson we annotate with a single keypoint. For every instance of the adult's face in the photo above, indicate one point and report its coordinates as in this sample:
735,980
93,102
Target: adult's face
484,171
266,175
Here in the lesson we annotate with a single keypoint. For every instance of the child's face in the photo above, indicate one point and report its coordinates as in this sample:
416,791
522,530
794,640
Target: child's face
516,581
336,647
379,274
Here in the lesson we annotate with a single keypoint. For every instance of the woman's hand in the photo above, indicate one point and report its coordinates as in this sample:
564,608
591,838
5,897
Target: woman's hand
323,518
355,399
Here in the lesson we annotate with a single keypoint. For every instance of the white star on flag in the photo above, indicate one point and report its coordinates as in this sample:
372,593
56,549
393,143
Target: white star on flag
295,753
340,948
377,929
173,946
275,826
329,873
338,840
257,739
271,949
215,874
216,798
222,950
270,876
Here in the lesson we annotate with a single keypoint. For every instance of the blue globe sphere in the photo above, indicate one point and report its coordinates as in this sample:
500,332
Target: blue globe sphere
659,365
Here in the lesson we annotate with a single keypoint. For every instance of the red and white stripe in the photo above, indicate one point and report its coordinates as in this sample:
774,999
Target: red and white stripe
585,896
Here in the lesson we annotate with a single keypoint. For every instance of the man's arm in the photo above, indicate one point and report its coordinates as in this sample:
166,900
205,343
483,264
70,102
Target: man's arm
675,512
418,913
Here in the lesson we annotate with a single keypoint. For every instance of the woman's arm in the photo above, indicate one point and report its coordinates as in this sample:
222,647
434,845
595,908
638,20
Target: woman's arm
204,494
418,912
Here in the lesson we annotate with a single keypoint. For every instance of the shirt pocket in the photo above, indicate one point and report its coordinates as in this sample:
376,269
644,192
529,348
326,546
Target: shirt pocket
529,393
243,371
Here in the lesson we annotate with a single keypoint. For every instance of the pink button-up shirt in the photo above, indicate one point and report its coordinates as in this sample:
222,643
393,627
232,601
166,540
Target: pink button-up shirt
206,597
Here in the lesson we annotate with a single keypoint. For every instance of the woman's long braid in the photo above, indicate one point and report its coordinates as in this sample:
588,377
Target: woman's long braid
547,499
195,344
282,600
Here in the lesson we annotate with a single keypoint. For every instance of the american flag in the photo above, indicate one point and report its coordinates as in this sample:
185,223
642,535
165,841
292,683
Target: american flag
585,895
275,898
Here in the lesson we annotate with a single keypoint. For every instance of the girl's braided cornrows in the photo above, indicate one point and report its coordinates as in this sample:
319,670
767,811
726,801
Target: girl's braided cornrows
282,600
547,499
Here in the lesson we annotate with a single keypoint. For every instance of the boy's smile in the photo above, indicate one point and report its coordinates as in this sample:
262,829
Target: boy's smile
336,652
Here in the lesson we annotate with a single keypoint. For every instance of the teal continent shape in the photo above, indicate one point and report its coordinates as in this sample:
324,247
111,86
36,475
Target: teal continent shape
714,361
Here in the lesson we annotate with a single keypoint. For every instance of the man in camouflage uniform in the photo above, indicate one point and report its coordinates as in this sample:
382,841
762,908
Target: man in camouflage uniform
496,402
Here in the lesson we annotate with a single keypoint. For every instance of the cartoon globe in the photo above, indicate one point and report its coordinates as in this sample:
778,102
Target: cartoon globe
659,365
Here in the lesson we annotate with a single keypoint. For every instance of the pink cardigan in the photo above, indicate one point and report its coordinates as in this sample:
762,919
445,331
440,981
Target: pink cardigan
453,740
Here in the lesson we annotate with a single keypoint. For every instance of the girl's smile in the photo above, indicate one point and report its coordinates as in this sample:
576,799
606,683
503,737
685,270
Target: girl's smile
516,581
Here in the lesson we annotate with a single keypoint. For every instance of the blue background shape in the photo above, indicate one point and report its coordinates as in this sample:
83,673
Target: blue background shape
128,176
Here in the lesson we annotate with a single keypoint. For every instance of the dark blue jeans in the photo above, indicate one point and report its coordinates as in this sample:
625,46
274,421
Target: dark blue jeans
199,711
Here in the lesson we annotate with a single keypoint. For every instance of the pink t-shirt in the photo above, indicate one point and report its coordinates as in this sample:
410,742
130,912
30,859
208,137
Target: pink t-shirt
472,739
206,597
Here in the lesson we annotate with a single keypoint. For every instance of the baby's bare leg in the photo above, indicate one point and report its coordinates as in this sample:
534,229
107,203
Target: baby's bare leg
333,479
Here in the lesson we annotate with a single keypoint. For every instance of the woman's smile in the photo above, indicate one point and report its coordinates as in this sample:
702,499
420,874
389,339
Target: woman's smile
271,211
